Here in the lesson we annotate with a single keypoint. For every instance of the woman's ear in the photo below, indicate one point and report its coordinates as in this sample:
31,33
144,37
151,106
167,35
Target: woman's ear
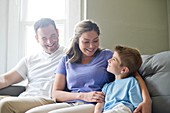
124,70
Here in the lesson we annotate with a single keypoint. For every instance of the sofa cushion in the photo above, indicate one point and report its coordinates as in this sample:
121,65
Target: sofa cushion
12,91
155,70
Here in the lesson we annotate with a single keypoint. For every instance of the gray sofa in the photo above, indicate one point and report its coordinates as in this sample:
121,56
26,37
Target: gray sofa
155,70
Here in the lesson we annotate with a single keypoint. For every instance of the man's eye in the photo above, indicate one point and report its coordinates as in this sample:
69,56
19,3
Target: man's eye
43,38
53,36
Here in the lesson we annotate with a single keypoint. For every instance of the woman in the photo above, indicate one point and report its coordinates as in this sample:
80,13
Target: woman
83,72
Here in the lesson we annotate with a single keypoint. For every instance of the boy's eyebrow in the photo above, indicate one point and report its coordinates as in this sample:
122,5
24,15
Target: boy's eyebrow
116,59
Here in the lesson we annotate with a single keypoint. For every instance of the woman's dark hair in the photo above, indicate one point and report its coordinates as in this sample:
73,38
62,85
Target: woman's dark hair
74,53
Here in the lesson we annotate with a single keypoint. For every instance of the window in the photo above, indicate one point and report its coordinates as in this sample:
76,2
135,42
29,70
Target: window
32,10
22,16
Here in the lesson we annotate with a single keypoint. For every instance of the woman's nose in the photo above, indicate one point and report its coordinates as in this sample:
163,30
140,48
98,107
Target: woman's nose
91,45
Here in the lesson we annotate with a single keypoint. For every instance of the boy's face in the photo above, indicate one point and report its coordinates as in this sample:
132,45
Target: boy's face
114,64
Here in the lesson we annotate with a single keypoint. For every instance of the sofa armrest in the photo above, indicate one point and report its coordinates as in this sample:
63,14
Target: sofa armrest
12,90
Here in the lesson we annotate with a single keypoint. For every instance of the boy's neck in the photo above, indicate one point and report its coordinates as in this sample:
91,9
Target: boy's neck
121,76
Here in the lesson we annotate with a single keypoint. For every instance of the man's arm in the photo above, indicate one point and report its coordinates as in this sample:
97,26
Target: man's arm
145,106
98,108
9,78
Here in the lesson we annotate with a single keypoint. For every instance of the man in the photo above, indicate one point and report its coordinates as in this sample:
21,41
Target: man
38,69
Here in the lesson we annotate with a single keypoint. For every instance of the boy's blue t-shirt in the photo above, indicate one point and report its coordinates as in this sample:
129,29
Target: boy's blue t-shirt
86,77
125,91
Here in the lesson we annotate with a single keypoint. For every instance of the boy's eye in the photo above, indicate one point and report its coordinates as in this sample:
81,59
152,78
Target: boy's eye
113,59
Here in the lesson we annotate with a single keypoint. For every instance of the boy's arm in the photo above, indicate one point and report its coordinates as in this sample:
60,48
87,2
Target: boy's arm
98,108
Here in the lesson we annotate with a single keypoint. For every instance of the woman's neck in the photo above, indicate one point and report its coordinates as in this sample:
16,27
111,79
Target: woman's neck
86,59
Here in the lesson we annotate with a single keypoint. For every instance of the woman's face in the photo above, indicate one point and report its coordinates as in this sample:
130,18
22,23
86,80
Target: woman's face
89,43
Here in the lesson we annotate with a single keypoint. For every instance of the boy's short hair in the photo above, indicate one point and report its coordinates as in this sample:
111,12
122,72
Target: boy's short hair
130,57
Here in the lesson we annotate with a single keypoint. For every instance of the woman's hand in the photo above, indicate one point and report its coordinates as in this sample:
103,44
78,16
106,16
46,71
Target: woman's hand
143,107
95,96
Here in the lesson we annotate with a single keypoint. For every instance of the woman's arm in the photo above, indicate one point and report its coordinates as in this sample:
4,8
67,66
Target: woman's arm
98,107
60,95
145,106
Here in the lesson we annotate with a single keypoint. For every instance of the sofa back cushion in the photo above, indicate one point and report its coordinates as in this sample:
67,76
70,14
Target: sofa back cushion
155,70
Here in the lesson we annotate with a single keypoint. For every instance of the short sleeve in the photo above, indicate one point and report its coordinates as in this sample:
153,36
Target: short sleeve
104,89
135,94
61,67
22,67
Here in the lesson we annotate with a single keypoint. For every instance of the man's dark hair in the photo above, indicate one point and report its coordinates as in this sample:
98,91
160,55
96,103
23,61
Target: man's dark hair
43,22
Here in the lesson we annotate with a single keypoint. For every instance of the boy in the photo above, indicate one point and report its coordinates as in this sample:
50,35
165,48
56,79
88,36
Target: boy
122,95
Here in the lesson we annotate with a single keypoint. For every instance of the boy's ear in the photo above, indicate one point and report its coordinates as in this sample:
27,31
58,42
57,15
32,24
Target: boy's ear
124,70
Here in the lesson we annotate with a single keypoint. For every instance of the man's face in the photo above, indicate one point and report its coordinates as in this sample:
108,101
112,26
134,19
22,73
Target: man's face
48,38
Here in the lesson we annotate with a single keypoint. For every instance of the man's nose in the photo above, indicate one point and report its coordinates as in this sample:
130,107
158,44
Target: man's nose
49,40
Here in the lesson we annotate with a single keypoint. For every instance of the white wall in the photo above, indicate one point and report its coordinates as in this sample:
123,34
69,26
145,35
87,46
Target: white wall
9,52
3,34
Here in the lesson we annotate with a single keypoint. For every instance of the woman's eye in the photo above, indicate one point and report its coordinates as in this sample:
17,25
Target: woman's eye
96,41
86,42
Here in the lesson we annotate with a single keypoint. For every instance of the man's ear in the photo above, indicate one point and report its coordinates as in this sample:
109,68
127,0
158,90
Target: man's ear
124,70
36,37
57,33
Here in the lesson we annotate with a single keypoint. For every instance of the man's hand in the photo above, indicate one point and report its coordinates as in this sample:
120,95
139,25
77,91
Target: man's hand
143,107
